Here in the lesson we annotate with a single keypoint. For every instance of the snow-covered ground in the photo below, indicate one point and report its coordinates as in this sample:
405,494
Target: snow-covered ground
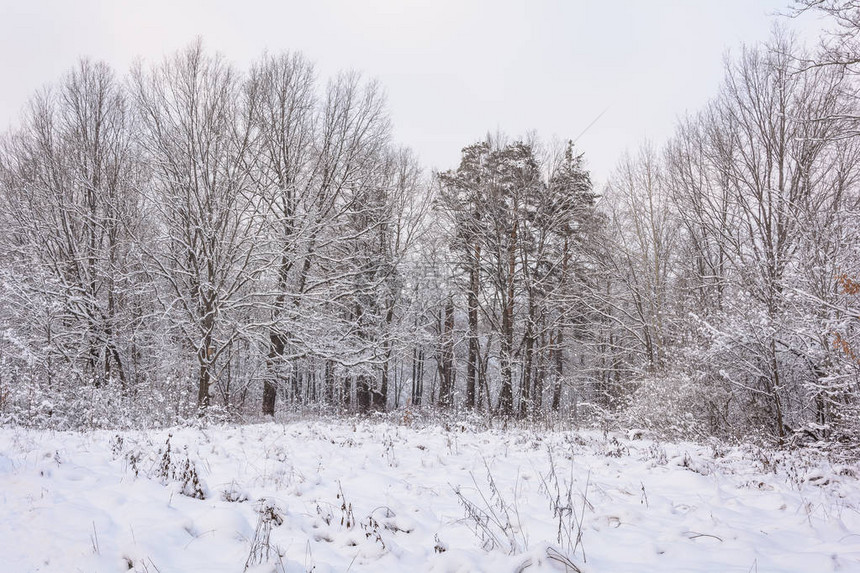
362,496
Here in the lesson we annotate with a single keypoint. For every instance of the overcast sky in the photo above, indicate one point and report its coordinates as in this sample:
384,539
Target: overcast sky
453,69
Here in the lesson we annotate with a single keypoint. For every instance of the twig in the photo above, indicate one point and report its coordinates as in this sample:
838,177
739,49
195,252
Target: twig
696,535
554,554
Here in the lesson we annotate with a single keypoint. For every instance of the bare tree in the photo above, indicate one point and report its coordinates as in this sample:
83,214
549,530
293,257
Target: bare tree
285,116
760,181
197,132
645,230
68,178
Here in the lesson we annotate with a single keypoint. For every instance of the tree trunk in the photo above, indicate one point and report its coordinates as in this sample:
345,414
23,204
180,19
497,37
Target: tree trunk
417,375
276,351
526,382
329,382
446,359
506,396
558,362
363,393
474,343
204,378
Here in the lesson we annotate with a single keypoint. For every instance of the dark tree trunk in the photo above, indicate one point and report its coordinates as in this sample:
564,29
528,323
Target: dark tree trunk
526,383
346,398
446,359
277,344
329,382
206,355
506,396
417,375
380,398
296,384
204,378
474,343
558,363
363,393
540,372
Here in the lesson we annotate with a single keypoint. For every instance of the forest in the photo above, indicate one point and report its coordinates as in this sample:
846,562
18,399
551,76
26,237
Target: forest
189,240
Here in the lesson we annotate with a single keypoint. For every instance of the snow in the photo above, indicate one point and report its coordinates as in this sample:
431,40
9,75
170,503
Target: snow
372,496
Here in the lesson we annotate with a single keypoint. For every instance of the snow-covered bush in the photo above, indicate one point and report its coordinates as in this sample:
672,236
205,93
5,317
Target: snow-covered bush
670,405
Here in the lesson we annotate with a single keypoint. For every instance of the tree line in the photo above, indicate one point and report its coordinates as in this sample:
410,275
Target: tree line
193,239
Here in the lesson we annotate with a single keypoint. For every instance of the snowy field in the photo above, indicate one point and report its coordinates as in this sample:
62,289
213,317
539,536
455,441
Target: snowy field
361,496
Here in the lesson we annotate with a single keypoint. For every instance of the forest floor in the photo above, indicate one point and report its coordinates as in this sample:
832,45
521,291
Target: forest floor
358,495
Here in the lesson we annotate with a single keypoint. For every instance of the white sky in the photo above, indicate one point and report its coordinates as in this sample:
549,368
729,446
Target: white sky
453,70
